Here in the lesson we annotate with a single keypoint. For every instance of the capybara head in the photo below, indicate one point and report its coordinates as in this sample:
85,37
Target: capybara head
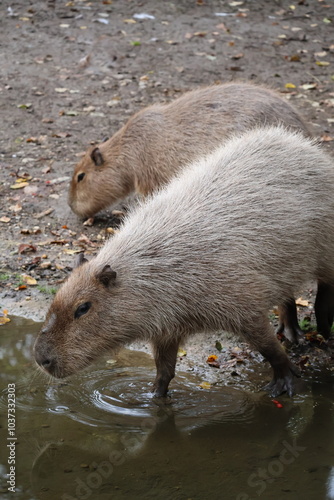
97,180
78,329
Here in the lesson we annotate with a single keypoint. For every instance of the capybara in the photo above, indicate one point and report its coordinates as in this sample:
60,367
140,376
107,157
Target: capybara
161,139
207,252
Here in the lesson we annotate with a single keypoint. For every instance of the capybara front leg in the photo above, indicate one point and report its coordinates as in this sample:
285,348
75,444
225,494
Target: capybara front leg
288,322
165,353
263,338
324,308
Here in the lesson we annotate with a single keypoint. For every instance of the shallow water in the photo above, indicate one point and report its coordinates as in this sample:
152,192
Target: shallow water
100,435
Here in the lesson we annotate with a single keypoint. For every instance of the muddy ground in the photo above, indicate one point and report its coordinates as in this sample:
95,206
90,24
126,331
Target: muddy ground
72,72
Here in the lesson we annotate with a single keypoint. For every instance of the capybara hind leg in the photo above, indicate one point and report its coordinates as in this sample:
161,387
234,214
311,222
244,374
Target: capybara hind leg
262,337
165,353
324,308
288,322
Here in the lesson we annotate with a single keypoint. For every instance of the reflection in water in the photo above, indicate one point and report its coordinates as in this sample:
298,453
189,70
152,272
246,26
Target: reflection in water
101,435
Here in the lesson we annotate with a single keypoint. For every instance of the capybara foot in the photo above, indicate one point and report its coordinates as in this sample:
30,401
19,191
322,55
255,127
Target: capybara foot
283,381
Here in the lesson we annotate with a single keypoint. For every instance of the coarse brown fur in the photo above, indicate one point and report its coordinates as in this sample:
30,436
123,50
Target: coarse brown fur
161,139
207,252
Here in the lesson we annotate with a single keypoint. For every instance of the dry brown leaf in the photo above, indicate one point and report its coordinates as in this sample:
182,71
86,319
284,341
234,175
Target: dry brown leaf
25,248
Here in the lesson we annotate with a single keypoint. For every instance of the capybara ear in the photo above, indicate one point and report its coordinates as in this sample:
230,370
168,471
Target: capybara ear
80,259
106,276
97,157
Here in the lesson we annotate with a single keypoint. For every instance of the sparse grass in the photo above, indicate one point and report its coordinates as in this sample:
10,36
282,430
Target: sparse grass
15,278
4,276
47,290
306,325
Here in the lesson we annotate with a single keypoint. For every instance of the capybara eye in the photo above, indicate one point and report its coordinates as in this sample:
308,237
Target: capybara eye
81,176
82,309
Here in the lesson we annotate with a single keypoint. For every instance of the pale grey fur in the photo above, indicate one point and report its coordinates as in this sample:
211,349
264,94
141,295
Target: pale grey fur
212,252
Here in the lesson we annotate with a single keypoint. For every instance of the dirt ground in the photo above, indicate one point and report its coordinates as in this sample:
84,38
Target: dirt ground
72,72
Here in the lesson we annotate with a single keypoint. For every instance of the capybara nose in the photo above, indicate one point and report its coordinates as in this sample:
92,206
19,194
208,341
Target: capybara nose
46,362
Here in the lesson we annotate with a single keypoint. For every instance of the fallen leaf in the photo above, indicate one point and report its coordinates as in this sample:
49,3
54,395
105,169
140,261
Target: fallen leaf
301,302
321,54
59,242
29,280
45,265
181,353
19,185
327,138
5,219
211,358
322,63
290,86
61,135
25,106
295,58
129,21
237,56
25,248
70,251
84,61
15,208
309,86
25,178
43,214
71,113
4,320
218,345
205,385
314,337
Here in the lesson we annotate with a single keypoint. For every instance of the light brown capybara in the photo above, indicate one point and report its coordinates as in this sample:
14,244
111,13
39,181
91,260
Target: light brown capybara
207,252
161,139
